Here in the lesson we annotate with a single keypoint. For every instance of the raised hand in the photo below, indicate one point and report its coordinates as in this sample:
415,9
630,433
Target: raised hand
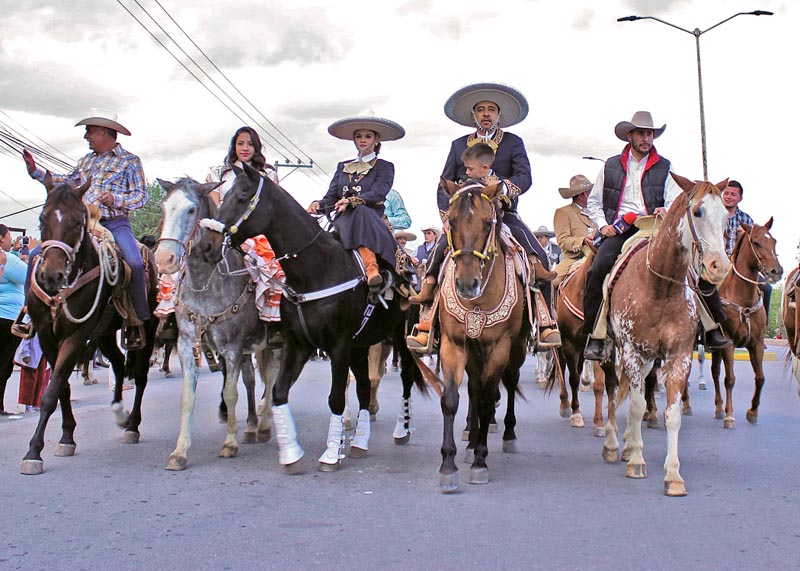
30,164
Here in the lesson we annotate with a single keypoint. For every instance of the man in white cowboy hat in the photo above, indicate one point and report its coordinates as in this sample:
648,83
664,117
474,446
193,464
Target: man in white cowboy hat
573,227
118,187
489,108
636,181
544,236
424,251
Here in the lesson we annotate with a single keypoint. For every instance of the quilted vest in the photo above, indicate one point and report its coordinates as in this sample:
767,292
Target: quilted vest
653,182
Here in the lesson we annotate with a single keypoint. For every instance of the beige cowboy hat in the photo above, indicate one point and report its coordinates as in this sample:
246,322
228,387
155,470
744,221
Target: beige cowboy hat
387,130
640,120
513,105
544,231
578,184
410,236
99,117
433,229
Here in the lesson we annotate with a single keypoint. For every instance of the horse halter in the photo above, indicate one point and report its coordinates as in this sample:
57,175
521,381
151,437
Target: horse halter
186,245
69,251
761,266
488,248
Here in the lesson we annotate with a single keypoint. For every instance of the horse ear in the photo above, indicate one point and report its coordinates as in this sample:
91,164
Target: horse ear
81,190
722,185
491,190
165,184
251,173
746,227
448,185
768,225
684,183
204,189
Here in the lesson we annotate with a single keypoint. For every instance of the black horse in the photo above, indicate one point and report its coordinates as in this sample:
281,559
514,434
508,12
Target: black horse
69,303
325,305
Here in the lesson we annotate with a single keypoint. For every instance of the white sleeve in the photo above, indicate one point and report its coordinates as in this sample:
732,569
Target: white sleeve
594,205
671,190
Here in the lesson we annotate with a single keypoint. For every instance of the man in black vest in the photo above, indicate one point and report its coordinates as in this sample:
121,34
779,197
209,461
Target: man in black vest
636,181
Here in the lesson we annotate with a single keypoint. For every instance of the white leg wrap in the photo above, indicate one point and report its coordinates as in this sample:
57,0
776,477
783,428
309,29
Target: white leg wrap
334,452
403,426
289,450
361,438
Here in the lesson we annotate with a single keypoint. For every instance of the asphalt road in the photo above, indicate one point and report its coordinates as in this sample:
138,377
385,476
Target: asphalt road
554,505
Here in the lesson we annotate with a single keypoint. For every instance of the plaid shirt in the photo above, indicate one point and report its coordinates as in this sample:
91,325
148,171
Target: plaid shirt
732,230
117,171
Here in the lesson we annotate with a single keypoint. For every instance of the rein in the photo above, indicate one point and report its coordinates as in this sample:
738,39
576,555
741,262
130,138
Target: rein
697,255
761,267
488,246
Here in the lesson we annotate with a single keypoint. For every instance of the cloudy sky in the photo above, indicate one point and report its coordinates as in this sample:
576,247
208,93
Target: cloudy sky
304,64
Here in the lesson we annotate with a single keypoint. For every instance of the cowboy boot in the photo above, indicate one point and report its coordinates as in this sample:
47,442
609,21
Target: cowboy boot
539,273
420,339
360,443
715,339
289,450
425,294
330,459
374,278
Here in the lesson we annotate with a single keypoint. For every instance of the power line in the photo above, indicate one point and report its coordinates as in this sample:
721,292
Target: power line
69,160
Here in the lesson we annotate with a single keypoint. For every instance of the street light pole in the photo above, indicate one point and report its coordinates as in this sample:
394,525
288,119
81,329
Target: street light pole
697,32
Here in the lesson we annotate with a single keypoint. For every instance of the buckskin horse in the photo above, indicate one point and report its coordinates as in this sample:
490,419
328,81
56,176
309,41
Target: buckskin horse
484,329
325,305
653,315
69,303
754,253
217,302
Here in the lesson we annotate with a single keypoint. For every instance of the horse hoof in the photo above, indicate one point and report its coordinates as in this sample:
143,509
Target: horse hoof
610,455
701,386
356,452
176,463
600,432
323,467
564,411
492,429
293,469
465,435
674,489
510,446
65,450
263,436
576,420
223,418
479,475
752,417
542,384
448,483
168,374
729,422
373,416
626,455
229,451
652,422
637,471
32,467
347,424
469,456
130,437
403,439
719,415
687,411
249,438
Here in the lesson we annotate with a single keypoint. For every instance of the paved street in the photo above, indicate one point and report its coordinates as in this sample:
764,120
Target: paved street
555,505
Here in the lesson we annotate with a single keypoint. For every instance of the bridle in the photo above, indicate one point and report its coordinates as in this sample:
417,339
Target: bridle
69,251
488,248
762,268
186,245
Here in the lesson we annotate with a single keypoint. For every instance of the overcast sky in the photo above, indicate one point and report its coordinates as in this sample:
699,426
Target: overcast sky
305,64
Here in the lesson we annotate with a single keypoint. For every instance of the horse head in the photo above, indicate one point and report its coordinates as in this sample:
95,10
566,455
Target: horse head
63,225
762,246
474,225
232,224
186,203
702,226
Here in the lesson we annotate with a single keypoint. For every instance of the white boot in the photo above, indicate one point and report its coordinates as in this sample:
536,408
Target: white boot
360,443
402,429
289,450
329,461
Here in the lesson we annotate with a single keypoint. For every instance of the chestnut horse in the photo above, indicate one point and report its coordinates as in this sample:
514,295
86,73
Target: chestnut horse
484,330
754,253
791,321
70,303
653,315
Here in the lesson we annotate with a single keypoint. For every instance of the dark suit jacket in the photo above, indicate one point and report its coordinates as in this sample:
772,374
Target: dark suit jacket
373,188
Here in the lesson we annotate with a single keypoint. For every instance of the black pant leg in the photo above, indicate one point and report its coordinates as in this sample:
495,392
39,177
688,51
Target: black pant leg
710,296
604,259
8,346
436,258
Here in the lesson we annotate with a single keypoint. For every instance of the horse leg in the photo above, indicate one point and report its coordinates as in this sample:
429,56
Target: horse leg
632,451
677,372
756,352
293,359
409,375
340,357
716,362
730,381
249,380
107,344
598,387
610,442
701,362
452,359
141,367
378,354
268,362
359,362
165,363
575,418
510,378
564,409
178,459
479,471
651,413
230,393
223,408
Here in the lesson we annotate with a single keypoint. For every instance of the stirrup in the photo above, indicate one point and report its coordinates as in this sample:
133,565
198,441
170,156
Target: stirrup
413,343
21,327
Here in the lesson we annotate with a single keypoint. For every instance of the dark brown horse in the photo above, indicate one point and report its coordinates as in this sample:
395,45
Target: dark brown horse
754,253
653,315
69,303
483,325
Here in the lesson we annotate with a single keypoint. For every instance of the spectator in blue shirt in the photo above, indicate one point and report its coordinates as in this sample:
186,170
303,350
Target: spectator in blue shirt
12,299
395,210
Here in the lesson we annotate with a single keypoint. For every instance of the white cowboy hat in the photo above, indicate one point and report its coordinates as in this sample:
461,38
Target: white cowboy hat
640,120
410,236
578,184
387,130
103,118
543,231
513,105
433,229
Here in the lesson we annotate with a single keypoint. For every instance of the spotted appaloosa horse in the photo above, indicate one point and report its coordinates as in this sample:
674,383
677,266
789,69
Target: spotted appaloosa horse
653,315
216,301
754,253
484,329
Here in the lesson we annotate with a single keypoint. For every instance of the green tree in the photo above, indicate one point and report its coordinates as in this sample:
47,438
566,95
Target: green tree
775,322
147,219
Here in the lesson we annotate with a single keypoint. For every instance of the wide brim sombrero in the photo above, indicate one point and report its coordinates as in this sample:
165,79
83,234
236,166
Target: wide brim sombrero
640,120
103,118
544,231
513,105
387,130
578,184
410,236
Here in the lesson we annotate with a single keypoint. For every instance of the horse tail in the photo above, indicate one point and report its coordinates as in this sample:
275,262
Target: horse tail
557,373
432,379
624,387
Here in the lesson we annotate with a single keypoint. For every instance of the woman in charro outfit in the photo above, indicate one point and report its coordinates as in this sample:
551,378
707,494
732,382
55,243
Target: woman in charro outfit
358,190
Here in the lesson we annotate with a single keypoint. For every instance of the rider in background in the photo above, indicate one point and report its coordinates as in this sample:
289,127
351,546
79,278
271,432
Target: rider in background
357,193
395,211
573,226
245,148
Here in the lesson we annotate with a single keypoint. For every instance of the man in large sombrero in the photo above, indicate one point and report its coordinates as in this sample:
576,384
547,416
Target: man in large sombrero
489,108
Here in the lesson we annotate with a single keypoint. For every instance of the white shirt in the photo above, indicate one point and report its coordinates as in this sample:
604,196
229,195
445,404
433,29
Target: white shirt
632,197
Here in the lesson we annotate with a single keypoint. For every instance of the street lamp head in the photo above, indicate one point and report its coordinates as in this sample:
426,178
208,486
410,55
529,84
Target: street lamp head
761,13
629,19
